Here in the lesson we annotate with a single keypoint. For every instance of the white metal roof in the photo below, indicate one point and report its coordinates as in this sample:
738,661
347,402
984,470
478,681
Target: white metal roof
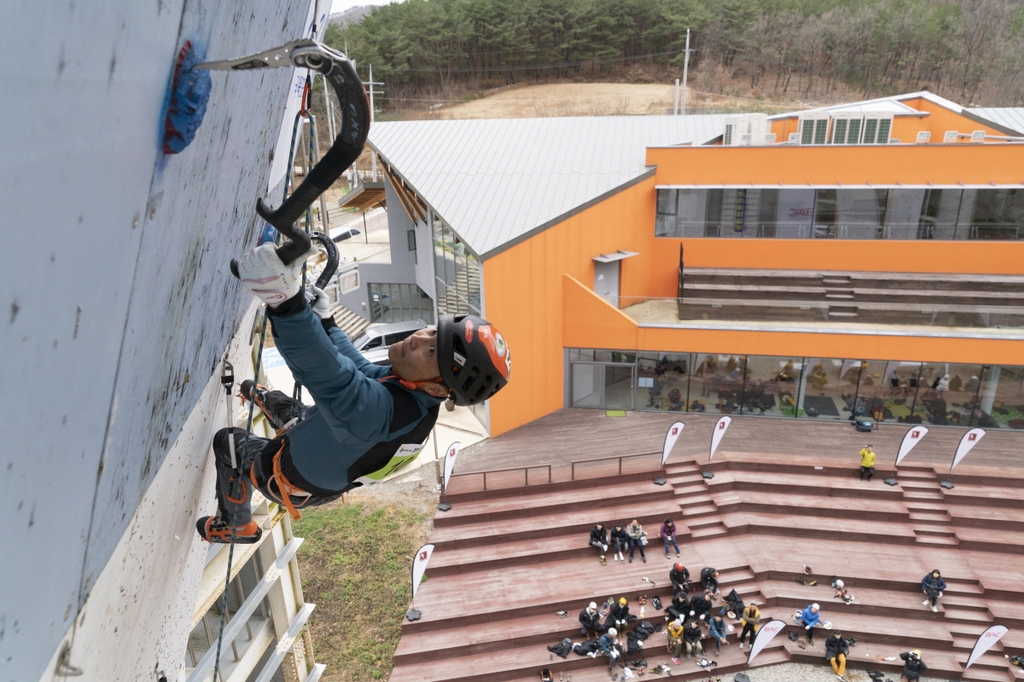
1007,117
892,104
495,181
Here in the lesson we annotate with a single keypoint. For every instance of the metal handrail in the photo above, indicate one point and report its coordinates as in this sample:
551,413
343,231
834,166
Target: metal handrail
613,457
524,469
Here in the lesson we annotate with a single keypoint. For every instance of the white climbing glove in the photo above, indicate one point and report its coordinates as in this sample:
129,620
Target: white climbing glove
263,273
317,299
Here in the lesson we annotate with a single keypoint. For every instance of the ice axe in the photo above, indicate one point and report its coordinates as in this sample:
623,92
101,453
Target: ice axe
355,126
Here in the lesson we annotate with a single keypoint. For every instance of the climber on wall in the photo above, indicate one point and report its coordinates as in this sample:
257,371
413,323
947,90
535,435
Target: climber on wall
367,421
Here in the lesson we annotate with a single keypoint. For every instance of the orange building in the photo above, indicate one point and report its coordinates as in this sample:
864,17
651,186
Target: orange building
864,259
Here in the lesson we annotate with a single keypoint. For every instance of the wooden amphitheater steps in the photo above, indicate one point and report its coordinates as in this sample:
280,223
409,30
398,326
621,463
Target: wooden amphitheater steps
507,560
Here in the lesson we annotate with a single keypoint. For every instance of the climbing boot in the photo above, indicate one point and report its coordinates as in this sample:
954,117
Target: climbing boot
250,390
215,529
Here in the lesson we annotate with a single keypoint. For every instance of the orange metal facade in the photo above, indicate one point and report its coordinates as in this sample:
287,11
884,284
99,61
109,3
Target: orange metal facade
539,292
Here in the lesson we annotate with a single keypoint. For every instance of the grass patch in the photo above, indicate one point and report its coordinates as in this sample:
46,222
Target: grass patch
355,566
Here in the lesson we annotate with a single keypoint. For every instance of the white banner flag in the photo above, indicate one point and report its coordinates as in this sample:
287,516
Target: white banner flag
912,438
716,437
419,566
670,439
765,634
969,440
985,642
449,461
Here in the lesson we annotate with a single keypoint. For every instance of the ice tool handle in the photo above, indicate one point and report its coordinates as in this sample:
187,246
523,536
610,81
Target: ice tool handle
355,126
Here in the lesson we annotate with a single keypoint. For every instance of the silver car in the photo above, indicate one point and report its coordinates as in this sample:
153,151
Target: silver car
374,342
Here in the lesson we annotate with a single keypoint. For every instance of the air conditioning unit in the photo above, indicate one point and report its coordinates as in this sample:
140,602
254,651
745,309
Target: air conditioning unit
814,128
847,128
877,127
744,130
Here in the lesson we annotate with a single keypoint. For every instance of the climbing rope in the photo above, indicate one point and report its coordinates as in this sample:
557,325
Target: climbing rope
228,376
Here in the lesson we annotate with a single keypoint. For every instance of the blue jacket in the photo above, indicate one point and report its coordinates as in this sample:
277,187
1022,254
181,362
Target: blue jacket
354,410
809,617
930,584
606,643
718,629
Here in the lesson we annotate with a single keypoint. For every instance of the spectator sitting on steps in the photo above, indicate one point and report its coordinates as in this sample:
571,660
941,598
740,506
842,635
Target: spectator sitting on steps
620,541
609,648
590,620
618,615
836,651
675,639
810,617
691,637
718,631
680,578
637,539
933,586
668,535
913,666
709,579
599,539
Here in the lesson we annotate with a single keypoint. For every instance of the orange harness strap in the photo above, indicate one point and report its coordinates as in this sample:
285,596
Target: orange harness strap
284,486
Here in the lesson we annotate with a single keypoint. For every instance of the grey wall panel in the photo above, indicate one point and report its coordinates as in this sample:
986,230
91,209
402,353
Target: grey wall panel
113,282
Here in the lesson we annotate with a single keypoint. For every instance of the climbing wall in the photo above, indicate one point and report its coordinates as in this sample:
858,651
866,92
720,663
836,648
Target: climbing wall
117,304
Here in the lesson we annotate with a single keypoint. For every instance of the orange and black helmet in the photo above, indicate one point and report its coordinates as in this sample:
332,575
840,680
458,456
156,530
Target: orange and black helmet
474,359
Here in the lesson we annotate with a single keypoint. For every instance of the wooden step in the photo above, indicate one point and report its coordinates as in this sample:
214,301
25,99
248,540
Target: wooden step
544,502
931,517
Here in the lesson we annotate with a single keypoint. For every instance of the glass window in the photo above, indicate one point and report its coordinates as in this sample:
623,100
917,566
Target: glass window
399,302
828,388
861,213
998,214
713,222
824,213
767,210
1001,398
663,382
770,385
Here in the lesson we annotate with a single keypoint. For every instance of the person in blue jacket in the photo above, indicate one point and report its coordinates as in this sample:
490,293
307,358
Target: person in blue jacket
367,421
933,586
719,632
810,618
608,648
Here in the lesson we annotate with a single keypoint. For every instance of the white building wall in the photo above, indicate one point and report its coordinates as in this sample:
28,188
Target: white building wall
118,307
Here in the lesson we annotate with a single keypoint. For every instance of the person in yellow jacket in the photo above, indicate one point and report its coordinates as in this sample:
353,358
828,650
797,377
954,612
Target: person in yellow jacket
751,615
675,639
867,463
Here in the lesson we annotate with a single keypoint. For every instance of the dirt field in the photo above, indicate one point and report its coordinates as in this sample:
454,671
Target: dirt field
597,99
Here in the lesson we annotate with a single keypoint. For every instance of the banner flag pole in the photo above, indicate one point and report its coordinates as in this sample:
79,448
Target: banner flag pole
671,436
718,434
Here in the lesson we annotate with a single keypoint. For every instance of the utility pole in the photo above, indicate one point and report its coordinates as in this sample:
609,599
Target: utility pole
686,66
372,87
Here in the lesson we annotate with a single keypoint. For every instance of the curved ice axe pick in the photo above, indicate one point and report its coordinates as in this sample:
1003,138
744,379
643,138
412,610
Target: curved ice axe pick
347,146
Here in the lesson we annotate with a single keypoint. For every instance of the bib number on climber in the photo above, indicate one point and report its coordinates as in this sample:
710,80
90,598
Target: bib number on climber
406,455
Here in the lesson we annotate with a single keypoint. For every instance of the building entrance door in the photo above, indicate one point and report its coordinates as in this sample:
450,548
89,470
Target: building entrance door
608,386
606,281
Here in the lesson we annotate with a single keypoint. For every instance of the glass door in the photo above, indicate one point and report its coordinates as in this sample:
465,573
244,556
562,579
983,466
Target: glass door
603,386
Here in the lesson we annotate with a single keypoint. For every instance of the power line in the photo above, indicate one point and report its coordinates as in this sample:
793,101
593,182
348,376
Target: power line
531,67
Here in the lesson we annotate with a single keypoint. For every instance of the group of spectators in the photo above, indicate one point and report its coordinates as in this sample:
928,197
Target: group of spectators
837,647
632,537
690,619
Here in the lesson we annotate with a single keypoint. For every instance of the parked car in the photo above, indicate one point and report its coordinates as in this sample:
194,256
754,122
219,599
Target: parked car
375,341
345,234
